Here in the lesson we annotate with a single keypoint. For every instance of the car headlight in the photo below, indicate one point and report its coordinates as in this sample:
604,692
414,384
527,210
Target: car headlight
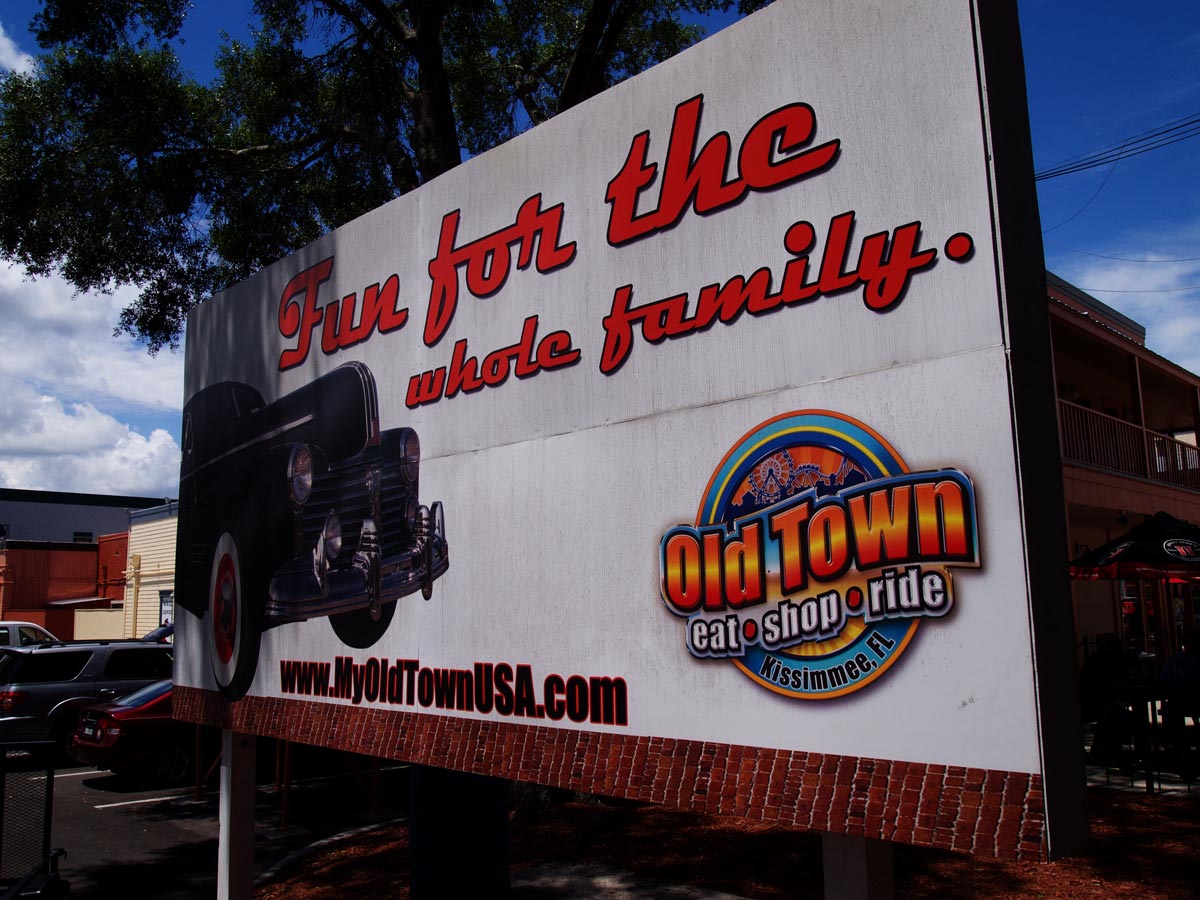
411,453
300,474
331,536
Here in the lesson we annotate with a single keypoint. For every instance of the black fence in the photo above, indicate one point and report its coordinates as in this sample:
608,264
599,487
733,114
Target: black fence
28,867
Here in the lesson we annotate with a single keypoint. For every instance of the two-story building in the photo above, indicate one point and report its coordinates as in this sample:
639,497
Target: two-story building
1128,421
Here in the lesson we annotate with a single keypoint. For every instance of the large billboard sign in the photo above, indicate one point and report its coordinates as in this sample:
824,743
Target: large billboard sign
672,450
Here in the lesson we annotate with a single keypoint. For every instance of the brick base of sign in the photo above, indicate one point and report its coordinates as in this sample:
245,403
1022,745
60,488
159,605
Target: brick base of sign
981,811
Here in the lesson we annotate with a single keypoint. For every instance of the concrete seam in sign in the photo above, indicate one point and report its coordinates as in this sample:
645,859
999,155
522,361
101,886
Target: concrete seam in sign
291,859
645,417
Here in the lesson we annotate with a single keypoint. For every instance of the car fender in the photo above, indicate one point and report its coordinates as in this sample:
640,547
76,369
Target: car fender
66,707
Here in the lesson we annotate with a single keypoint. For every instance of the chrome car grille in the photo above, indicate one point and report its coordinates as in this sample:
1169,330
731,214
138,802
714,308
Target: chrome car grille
395,500
345,490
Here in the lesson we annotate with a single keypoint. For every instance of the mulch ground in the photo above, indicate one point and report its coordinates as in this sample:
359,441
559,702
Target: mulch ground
1145,847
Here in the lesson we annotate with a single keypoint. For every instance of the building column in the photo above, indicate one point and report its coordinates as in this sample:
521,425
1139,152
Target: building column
1141,406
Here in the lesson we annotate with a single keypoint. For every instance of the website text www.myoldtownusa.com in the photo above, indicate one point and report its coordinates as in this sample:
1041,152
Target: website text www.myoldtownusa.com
508,690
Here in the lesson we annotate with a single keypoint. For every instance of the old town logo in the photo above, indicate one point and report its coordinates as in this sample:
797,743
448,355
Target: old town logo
816,554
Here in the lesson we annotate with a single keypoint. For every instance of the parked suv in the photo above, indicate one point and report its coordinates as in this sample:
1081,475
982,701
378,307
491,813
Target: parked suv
43,686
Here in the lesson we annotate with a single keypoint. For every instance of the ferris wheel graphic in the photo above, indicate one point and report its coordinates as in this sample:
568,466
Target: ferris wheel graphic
773,478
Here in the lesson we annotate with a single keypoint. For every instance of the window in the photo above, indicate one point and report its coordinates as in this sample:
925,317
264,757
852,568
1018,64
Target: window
138,662
4,635
39,668
166,607
246,400
152,691
31,634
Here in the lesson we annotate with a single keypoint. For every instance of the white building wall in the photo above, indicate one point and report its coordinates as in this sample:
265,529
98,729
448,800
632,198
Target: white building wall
151,568
99,624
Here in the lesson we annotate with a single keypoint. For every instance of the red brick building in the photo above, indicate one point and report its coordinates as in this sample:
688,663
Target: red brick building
62,552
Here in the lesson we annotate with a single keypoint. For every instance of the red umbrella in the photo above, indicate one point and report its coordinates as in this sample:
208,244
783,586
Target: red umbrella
1161,547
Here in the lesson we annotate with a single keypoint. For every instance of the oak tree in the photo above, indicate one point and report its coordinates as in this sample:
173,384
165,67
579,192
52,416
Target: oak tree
118,167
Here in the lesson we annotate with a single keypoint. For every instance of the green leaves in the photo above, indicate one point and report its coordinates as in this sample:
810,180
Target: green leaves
93,186
102,26
117,168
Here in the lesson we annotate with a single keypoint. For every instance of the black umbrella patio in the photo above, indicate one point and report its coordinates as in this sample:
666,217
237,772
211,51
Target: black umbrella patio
1161,547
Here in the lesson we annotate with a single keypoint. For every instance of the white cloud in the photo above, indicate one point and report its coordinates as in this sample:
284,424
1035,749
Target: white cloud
53,338
1162,295
46,445
12,57
82,410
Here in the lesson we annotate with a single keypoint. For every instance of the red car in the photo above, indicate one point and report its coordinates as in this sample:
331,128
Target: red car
135,735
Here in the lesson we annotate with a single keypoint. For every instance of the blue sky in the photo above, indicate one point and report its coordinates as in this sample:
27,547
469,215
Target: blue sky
84,411
1099,73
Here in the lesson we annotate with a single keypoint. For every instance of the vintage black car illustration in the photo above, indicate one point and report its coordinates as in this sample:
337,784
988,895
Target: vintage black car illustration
297,509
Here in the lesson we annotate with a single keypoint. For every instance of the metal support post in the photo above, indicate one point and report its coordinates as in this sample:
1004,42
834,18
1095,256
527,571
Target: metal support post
235,853
857,868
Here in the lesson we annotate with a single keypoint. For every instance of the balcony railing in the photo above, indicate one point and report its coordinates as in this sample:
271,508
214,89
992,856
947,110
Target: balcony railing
1173,461
1097,439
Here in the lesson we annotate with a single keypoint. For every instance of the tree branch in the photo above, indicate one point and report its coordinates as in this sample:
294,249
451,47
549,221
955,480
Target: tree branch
574,89
390,22
435,125
348,13
620,21
526,93
595,52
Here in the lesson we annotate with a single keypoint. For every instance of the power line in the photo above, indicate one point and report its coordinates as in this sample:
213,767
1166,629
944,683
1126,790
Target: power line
1113,156
1092,290
1166,131
1155,139
1174,123
1091,199
1133,259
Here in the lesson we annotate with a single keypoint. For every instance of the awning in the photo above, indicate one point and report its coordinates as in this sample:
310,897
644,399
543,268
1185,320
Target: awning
82,601
1161,547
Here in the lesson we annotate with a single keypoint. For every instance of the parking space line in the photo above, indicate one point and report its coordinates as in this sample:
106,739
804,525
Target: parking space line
265,788
135,802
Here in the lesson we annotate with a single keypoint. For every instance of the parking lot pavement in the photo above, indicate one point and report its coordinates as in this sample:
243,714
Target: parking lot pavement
125,842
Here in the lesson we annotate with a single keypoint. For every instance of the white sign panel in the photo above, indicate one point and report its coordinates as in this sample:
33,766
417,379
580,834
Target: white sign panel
685,417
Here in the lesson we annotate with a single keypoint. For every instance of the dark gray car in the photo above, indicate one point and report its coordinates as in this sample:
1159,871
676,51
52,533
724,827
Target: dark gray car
43,687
